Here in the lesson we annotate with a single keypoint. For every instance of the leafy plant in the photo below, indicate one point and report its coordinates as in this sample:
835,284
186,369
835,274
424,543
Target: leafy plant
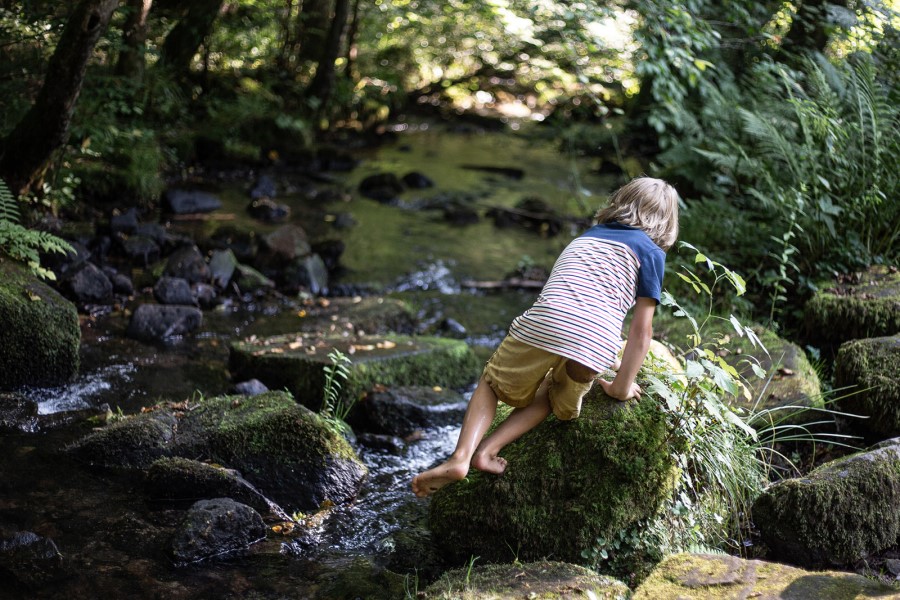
334,407
23,244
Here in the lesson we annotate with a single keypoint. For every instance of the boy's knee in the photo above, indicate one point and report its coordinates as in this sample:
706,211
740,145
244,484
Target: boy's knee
579,373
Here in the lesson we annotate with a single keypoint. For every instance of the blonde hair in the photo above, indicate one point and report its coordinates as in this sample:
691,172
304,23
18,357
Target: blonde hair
648,204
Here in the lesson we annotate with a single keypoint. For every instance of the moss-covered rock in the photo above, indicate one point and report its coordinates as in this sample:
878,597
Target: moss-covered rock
871,367
297,362
790,379
868,305
360,578
705,577
40,329
567,483
538,580
130,443
839,513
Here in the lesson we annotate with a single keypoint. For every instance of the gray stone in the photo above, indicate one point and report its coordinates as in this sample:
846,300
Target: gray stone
215,528
156,322
173,290
183,202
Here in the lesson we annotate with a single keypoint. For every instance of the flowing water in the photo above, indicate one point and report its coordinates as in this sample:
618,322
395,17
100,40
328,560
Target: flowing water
112,540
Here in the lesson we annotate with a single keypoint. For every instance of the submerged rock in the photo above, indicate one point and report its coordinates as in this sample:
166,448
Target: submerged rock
382,187
567,483
840,513
871,368
297,363
30,560
41,333
216,527
866,304
544,579
704,576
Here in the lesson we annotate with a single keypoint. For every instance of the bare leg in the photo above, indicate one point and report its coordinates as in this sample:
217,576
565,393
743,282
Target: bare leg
519,422
479,415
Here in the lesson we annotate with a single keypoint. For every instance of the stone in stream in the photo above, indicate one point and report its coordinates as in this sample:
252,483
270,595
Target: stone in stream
512,581
180,202
866,304
141,250
30,560
222,265
417,181
89,285
401,411
41,333
841,512
704,576
214,528
307,273
158,322
381,187
249,279
173,290
188,263
296,362
867,371
129,443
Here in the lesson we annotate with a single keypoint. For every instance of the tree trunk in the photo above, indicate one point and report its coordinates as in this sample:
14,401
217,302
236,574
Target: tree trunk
26,152
312,26
322,86
134,37
352,50
184,40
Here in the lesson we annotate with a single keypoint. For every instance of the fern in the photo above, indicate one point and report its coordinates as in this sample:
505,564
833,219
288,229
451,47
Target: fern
333,406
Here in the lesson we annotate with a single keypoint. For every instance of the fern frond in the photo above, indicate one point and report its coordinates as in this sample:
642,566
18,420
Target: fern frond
9,205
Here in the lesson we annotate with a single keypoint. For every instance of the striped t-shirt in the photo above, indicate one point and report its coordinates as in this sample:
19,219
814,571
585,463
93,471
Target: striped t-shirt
595,281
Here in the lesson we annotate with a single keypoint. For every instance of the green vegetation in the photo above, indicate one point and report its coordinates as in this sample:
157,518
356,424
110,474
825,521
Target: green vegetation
23,244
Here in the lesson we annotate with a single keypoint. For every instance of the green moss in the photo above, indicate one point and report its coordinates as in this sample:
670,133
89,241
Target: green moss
538,581
567,483
707,577
841,512
41,334
360,578
134,442
870,367
870,308
296,363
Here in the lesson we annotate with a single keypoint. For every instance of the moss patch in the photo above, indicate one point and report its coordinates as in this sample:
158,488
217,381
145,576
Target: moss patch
296,363
537,580
871,366
567,483
705,577
840,513
41,335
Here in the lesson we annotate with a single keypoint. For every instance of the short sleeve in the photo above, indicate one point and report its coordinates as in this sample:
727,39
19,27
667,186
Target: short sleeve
650,274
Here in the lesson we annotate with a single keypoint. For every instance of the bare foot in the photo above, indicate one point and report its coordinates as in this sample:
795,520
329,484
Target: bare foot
487,463
428,482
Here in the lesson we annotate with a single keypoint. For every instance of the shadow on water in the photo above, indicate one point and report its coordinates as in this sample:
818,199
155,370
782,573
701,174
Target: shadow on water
113,541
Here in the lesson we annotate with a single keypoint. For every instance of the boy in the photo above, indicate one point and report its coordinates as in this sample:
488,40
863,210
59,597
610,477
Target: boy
555,349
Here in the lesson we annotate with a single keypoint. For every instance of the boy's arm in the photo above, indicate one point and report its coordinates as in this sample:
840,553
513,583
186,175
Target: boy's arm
623,387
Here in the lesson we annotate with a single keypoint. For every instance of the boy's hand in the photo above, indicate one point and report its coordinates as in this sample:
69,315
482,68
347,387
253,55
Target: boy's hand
633,391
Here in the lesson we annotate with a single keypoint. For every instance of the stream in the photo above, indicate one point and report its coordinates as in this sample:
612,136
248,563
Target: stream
112,539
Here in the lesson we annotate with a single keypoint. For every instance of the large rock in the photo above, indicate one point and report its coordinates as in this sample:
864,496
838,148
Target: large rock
401,411
89,285
41,334
216,527
297,363
705,576
544,579
864,305
132,443
871,369
157,322
840,513
30,560
567,483
188,263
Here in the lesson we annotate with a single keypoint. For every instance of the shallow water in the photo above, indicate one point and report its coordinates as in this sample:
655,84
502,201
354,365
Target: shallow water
110,537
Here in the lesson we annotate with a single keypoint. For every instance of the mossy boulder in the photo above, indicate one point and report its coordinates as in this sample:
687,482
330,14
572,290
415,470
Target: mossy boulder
567,483
297,362
866,304
544,579
360,577
41,334
707,576
790,379
289,453
840,513
871,367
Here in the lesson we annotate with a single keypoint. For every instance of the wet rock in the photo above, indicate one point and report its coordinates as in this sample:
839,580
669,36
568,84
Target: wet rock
283,246
377,441
63,264
865,304
141,250
452,328
154,231
694,576
131,443
184,480
585,478
870,368
41,333
344,221
268,210
125,222
173,290
249,279
296,363
382,187
205,295
335,159
89,285
530,213
458,213
402,410
242,242
252,387
330,252
544,579
265,187
511,172
841,512
122,284
361,577
157,322
188,263
416,180
30,560
17,413
222,264
183,202
307,273
215,528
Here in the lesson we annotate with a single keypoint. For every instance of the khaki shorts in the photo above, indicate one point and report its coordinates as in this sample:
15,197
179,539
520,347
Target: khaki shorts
516,371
